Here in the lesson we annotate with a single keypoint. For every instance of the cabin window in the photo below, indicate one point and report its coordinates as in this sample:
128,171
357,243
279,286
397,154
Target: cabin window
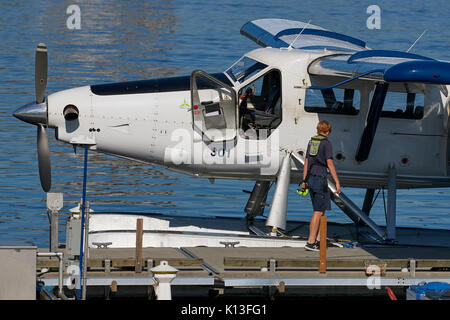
334,101
403,105
260,102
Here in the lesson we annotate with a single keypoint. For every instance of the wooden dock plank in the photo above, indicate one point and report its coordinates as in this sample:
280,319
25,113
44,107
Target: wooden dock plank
394,257
225,259
333,263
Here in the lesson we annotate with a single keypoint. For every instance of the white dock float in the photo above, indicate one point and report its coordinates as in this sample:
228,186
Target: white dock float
175,232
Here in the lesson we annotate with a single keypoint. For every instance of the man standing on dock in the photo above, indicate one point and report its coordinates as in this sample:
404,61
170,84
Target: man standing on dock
319,157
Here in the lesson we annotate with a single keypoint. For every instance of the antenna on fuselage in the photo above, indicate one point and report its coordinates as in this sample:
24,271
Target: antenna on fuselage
290,46
417,40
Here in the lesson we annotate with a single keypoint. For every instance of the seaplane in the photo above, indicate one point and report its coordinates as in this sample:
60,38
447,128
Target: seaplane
389,110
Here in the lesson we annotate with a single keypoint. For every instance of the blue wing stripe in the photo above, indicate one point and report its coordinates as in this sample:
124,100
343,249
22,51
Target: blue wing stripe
268,33
385,53
321,33
425,70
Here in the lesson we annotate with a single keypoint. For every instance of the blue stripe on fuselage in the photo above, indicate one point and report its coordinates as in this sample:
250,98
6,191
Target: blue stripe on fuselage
182,83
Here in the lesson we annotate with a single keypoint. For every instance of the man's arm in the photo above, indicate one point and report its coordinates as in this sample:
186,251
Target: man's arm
305,173
332,169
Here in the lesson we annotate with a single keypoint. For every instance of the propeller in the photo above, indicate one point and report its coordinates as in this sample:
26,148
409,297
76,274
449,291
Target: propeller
43,151
36,113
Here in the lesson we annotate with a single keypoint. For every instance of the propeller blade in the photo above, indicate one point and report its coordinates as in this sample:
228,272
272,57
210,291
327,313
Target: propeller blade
40,76
44,158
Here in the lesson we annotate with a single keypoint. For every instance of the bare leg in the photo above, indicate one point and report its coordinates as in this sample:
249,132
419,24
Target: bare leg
318,232
314,227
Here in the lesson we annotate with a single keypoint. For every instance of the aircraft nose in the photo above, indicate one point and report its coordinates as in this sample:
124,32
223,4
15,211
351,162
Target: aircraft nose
34,113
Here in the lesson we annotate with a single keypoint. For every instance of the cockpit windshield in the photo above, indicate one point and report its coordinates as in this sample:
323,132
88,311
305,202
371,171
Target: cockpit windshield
244,69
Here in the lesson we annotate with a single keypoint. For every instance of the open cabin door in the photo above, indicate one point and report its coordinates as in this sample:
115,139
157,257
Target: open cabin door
214,107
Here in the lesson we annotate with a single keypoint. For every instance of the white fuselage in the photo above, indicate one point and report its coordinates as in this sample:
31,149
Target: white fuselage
157,127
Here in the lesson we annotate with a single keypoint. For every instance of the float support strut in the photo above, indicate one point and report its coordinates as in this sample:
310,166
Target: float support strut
391,203
278,208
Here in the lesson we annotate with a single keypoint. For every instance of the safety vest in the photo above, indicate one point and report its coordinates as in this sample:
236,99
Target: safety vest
314,144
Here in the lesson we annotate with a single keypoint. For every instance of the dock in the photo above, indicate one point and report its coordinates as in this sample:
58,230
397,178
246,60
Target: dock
158,257
265,272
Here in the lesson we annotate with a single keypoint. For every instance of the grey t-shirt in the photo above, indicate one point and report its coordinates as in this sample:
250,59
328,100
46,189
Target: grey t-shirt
318,166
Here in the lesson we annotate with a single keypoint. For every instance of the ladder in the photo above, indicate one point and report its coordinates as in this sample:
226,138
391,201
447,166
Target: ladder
343,202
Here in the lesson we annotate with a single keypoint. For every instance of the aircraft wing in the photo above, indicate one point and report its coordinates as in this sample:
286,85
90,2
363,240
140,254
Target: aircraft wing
387,65
360,62
280,33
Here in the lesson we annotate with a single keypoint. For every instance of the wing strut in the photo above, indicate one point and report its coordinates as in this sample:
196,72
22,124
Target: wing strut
365,144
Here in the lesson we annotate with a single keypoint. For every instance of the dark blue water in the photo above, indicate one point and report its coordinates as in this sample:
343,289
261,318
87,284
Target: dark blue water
129,40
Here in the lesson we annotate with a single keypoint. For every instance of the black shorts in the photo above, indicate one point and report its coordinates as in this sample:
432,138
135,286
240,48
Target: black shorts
320,194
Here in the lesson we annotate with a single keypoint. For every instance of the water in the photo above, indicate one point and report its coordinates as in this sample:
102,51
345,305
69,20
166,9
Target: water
130,40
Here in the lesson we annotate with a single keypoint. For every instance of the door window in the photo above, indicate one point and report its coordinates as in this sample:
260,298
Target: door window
213,107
